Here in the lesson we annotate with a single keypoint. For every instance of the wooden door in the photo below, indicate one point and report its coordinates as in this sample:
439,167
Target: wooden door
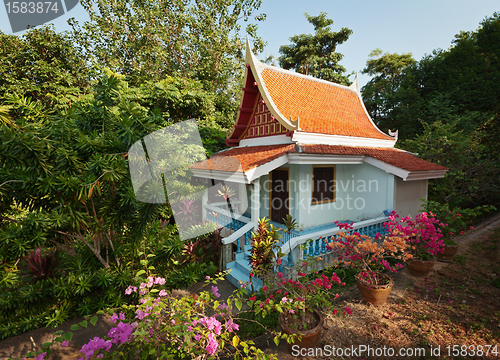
280,202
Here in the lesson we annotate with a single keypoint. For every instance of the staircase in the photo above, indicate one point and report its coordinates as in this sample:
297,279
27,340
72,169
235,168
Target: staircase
240,269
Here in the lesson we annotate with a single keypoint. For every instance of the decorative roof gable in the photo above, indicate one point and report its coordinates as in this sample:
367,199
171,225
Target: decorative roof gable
310,110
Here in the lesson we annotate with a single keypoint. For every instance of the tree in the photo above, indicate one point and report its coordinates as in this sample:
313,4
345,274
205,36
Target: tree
69,174
148,40
459,85
44,66
316,54
384,94
473,175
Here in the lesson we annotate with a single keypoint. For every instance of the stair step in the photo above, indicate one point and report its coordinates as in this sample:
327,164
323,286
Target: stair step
240,272
241,256
244,266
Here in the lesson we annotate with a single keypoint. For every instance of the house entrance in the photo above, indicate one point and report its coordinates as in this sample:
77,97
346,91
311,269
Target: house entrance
279,199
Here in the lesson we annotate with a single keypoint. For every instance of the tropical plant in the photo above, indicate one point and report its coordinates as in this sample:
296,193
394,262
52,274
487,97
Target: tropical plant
45,66
162,325
457,221
297,298
41,265
368,255
316,54
265,242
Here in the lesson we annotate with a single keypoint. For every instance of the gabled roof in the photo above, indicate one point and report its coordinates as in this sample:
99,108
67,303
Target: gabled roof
321,107
306,106
248,159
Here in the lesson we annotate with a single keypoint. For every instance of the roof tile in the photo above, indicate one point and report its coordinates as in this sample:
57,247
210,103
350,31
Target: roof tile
322,107
254,156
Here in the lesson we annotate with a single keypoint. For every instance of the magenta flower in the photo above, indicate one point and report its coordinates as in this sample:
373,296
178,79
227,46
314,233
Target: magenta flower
122,333
215,291
41,356
212,344
130,290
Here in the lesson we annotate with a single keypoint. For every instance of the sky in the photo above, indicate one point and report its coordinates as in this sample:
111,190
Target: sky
394,26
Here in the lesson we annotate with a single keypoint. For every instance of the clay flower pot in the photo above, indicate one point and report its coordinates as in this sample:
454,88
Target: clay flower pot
448,254
374,294
420,267
309,338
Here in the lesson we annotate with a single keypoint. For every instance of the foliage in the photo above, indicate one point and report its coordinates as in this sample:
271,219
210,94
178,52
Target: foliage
43,66
70,170
380,94
298,296
456,221
455,86
148,40
473,173
80,288
164,326
368,255
423,233
40,266
265,241
316,54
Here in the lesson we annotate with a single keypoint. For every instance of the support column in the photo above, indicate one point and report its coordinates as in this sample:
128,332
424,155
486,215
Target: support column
255,202
227,255
242,197
204,200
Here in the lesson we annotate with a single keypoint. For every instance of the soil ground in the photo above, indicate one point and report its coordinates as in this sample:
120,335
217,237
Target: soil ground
455,311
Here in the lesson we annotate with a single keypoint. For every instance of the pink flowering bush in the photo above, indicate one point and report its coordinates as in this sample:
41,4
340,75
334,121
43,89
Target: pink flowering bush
368,255
424,233
296,298
165,326
456,221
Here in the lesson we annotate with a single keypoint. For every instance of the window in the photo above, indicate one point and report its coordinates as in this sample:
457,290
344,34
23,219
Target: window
323,184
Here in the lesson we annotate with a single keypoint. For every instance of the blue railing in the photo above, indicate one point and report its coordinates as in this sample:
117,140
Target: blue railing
320,239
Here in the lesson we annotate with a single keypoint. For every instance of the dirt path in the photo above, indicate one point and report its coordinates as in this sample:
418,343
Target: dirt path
456,305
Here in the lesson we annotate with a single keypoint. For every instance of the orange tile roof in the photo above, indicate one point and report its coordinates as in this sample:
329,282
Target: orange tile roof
395,157
322,107
254,156
248,157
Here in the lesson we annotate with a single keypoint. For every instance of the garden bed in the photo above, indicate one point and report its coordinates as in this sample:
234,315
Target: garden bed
459,304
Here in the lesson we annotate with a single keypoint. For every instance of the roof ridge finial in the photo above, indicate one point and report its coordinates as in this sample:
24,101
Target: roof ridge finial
295,122
355,85
394,134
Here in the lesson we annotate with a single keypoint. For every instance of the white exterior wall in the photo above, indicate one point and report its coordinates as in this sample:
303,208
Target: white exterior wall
408,195
363,192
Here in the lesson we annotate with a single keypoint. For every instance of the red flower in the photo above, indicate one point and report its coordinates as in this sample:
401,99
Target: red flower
302,274
252,298
251,274
278,262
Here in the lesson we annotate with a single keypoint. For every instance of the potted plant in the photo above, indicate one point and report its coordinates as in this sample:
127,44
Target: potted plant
299,301
425,237
453,224
370,257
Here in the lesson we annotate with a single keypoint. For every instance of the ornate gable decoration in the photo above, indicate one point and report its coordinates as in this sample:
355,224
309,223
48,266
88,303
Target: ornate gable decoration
263,123
274,100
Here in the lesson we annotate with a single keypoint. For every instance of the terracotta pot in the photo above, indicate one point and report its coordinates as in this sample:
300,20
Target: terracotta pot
448,254
420,267
375,294
309,338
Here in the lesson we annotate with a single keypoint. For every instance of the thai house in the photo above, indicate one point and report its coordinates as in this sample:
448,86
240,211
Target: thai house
308,147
